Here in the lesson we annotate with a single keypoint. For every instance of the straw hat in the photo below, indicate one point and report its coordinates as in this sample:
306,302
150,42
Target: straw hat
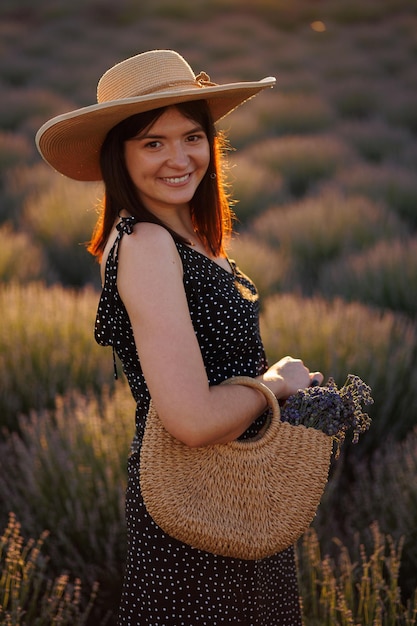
71,142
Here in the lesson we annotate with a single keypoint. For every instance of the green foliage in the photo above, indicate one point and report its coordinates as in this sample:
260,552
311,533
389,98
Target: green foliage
27,596
66,472
345,592
317,230
355,98
384,489
340,339
296,113
20,259
303,161
47,347
254,187
57,217
22,183
394,185
266,265
348,12
403,112
246,127
61,219
375,140
384,276
14,149
27,106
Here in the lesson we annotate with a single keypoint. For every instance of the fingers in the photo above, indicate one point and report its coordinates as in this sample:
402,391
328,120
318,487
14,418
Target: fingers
316,378
295,374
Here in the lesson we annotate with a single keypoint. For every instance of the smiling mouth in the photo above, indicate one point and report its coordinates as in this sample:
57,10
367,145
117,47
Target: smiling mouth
176,180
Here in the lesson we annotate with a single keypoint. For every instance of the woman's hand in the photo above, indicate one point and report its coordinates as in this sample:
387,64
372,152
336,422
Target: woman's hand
289,375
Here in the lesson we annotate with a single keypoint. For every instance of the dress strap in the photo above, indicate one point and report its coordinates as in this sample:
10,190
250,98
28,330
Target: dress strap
104,328
125,226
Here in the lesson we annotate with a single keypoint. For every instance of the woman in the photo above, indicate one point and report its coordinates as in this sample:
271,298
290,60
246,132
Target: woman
179,314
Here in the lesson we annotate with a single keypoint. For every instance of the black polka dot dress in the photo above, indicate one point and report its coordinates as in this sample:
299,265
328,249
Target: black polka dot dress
167,582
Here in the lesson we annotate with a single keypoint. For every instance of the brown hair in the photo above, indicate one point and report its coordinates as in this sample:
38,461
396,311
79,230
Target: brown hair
210,207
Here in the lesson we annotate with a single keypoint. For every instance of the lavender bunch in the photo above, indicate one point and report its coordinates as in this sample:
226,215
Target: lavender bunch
332,410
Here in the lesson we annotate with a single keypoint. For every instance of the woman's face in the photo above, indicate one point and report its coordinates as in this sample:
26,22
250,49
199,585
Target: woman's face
167,161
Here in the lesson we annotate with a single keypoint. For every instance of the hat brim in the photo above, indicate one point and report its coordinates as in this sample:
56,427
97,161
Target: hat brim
71,142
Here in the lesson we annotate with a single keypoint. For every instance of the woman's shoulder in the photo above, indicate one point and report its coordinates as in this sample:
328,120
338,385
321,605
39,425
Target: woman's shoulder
148,241
149,234
144,241
150,249
148,259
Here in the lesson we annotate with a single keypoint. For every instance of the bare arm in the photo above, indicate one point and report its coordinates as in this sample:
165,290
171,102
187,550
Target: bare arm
151,287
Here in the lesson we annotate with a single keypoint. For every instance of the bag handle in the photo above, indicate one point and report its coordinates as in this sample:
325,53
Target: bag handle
273,422
247,381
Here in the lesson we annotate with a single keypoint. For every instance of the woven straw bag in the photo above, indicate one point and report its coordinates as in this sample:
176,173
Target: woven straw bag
246,499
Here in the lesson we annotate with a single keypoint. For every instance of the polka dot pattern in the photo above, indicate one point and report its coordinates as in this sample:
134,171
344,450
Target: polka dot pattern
167,582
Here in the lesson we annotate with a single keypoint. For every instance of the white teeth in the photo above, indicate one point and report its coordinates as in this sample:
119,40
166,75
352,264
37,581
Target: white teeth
176,180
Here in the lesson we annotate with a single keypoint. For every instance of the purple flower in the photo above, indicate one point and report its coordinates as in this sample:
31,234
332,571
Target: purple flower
331,410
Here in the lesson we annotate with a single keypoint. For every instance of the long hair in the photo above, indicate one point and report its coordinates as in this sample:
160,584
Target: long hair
211,210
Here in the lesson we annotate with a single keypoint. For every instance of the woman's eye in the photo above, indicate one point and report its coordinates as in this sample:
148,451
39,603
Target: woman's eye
193,138
152,144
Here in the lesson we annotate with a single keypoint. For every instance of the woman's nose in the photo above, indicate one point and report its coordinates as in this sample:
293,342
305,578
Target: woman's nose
178,156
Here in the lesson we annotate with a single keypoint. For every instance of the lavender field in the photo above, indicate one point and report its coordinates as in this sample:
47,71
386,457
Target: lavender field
324,171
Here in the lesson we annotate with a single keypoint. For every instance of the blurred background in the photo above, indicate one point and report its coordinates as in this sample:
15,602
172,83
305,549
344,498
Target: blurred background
324,172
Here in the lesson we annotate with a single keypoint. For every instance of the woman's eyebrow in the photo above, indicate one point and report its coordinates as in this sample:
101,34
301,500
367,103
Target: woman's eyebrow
151,135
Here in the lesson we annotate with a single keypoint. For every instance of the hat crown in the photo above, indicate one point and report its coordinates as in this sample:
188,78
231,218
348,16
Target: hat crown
146,73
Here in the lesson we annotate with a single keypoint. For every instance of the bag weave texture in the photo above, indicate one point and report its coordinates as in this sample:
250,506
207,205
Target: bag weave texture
246,499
